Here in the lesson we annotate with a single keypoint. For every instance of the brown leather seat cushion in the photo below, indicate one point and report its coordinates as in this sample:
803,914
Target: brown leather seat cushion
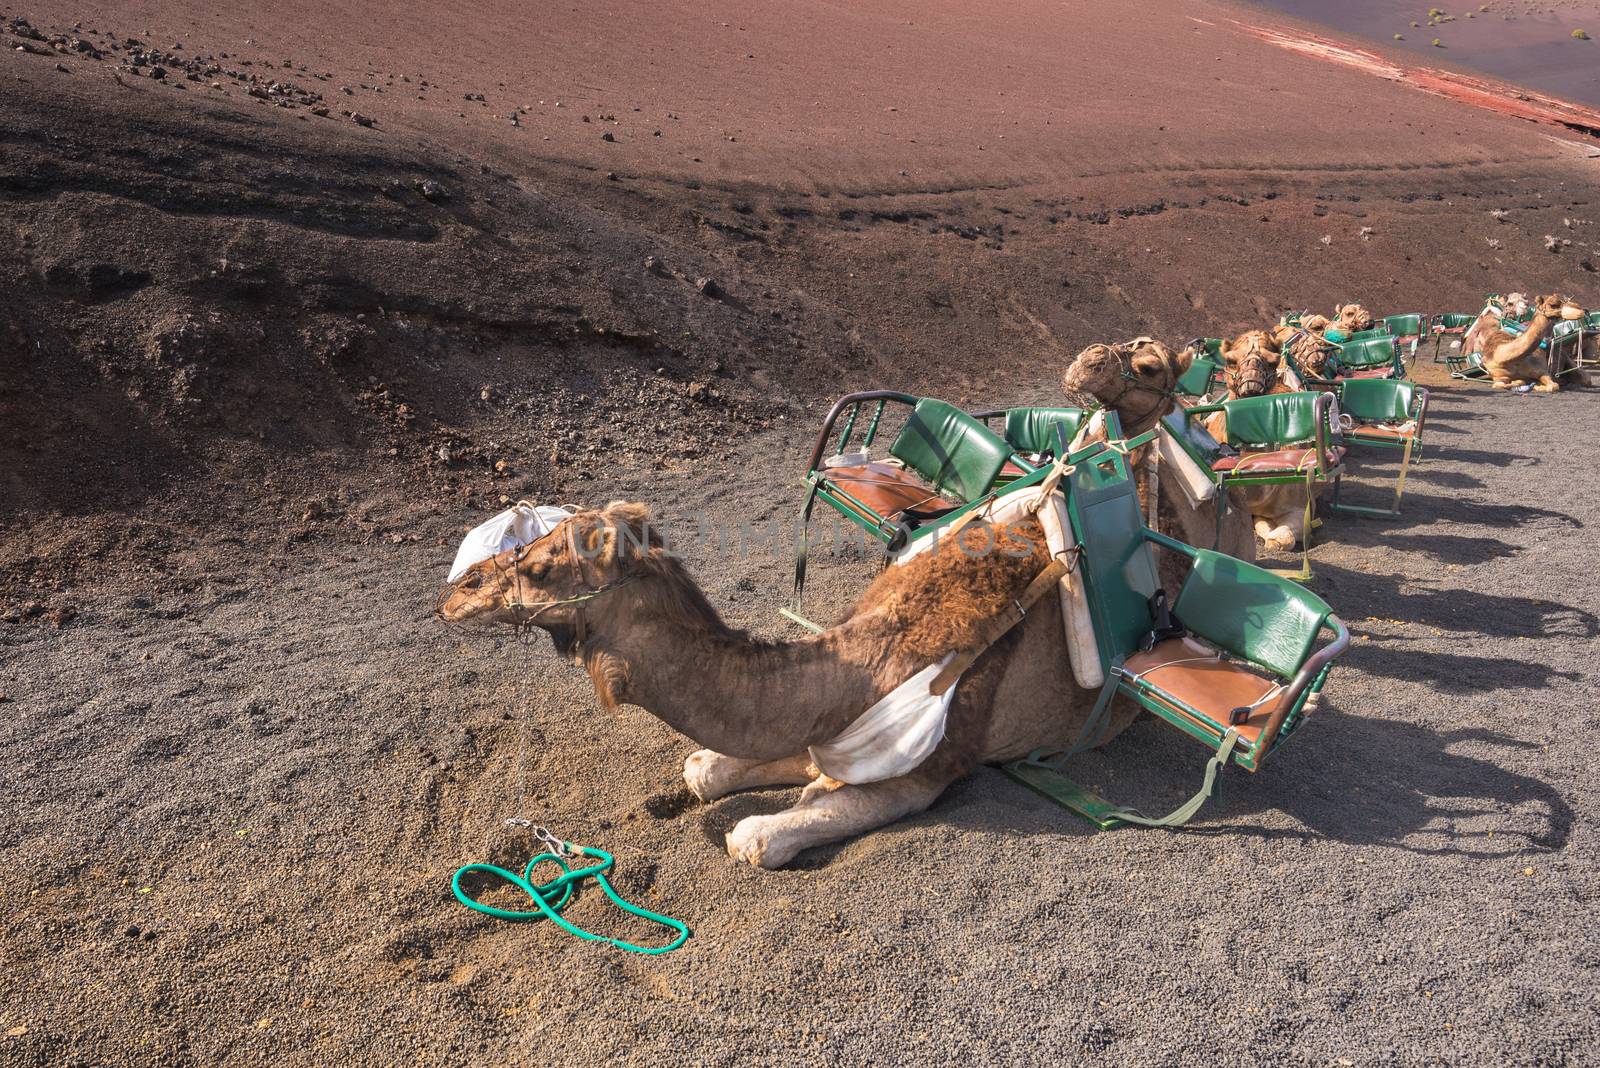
1278,460
890,491
1379,430
1212,686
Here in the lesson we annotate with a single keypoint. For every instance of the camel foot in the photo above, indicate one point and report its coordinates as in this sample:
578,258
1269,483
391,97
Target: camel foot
829,811
710,775
1547,385
1280,537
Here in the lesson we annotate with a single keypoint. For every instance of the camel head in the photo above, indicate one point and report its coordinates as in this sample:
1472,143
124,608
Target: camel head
1555,307
1352,317
1516,305
566,578
1252,360
1135,379
1565,308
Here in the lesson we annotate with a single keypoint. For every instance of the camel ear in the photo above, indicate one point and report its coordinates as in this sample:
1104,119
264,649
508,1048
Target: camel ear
1181,362
633,535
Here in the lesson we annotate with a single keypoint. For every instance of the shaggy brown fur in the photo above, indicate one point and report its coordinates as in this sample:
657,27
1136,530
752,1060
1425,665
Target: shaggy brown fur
654,641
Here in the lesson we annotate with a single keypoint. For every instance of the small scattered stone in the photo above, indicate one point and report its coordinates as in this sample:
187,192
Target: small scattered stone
361,120
607,136
432,190
708,287
158,73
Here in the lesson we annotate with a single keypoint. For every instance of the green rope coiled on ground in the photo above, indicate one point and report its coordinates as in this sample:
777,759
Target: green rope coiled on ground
554,896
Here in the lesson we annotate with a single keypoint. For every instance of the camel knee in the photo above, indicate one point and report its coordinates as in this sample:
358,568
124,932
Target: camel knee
710,775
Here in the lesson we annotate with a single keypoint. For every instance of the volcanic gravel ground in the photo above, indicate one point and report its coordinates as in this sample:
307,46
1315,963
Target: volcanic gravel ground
235,813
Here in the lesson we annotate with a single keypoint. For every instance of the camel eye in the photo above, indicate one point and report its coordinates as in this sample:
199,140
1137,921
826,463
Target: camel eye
539,571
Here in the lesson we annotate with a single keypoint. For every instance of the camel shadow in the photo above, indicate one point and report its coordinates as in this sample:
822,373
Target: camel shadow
1426,509
1459,673
1491,615
1486,457
1441,548
1351,779
1445,479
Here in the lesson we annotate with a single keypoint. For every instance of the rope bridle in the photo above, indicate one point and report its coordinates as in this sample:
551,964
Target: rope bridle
527,613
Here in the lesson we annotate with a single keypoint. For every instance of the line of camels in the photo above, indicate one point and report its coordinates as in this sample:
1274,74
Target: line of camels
628,612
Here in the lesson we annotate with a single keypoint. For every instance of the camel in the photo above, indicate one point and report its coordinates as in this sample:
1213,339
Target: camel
1254,366
629,613
1351,318
1307,343
1514,360
1138,380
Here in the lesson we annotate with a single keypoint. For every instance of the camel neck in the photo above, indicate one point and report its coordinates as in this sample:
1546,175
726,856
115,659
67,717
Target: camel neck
734,694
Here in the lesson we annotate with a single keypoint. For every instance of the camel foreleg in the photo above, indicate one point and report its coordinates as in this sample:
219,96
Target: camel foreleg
831,811
712,775
1546,385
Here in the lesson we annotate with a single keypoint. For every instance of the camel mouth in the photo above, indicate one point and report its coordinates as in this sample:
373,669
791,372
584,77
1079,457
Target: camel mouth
1252,378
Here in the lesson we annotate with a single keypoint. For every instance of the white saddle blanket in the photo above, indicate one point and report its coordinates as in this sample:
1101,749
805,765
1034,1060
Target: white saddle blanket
893,736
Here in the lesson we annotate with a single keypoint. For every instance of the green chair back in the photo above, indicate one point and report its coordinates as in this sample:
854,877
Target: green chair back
1033,430
1367,353
1454,320
1271,420
1592,321
1377,400
1368,334
1118,565
1404,325
1196,381
1249,612
952,450
1567,326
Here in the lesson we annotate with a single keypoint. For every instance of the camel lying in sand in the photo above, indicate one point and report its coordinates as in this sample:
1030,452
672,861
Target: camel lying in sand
1138,380
633,618
1255,367
1307,343
1515,359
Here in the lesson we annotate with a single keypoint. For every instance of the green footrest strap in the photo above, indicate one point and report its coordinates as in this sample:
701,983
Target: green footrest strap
1106,818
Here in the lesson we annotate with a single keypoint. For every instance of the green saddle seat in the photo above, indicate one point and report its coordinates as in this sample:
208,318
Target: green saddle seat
1040,431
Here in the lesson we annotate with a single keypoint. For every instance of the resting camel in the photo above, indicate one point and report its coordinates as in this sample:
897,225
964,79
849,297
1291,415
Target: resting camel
1307,343
1138,380
1351,318
1515,359
628,612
